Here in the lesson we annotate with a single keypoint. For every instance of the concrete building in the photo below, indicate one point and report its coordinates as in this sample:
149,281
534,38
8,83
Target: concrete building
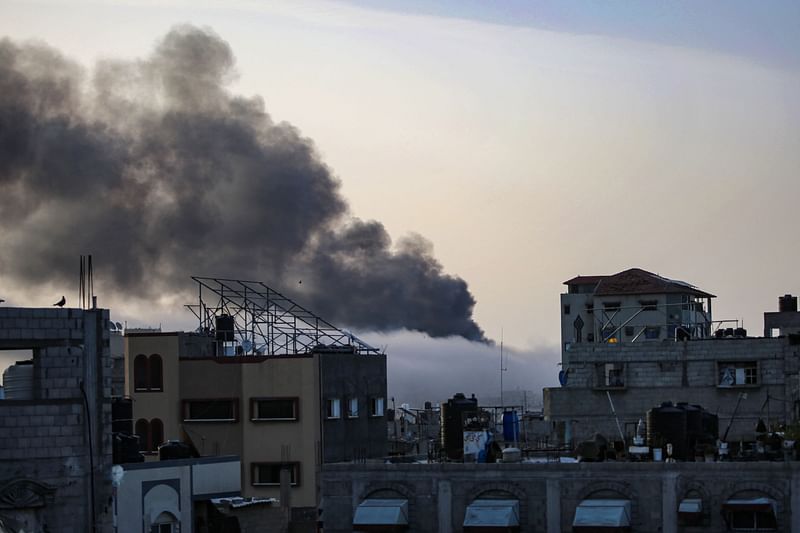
632,306
651,340
555,498
275,412
55,422
174,495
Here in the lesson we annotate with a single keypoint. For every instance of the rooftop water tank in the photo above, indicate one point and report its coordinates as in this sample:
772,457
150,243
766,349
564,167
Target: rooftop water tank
787,303
18,381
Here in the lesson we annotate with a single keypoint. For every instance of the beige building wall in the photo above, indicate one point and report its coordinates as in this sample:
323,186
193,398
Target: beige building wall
155,404
241,379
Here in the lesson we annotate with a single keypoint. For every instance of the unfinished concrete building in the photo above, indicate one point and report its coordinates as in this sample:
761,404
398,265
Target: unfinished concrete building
55,421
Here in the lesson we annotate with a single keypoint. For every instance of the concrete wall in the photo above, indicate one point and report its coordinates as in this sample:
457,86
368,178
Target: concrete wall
345,376
148,489
44,442
438,494
678,372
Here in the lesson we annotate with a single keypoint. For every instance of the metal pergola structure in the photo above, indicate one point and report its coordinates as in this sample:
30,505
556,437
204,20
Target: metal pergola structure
265,322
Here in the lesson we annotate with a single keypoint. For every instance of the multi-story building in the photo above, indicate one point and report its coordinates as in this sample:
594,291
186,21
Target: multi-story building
309,401
632,306
634,340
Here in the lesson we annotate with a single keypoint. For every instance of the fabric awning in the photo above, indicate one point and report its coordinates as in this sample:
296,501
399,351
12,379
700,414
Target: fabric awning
380,512
750,504
492,513
603,513
690,506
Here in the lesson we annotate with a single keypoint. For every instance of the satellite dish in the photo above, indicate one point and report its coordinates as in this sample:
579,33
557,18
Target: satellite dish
111,326
119,326
247,345
562,377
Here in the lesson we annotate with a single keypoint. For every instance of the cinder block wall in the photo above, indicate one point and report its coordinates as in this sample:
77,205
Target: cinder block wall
45,440
656,372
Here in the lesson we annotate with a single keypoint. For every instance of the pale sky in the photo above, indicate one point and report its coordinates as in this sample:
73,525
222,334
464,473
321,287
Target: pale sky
528,141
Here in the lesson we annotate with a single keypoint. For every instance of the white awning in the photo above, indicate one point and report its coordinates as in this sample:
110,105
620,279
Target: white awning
690,506
750,504
379,512
603,513
492,513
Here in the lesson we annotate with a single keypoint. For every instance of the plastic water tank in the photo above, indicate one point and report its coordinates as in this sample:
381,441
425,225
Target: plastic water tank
512,455
18,381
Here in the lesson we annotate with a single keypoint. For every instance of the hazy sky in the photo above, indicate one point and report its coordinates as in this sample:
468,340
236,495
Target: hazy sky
528,141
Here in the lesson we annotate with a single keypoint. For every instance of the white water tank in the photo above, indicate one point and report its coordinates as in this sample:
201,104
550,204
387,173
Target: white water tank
512,455
18,381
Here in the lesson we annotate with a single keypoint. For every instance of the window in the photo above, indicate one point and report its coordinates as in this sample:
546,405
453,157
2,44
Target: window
737,374
629,331
270,473
649,305
151,434
566,309
376,406
611,307
590,308
148,373
143,432
611,375
140,374
156,375
156,434
278,409
652,332
352,408
332,408
221,410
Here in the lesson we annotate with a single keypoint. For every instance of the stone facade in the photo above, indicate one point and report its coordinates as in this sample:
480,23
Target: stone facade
45,465
689,371
548,494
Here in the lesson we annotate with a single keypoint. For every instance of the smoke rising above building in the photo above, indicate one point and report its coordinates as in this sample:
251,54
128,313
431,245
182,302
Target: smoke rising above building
159,171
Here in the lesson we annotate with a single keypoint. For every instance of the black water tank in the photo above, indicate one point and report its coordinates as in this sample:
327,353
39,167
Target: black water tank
122,415
740,332
125,449
452,424
174,449
729,332
224,324
669,423
787,303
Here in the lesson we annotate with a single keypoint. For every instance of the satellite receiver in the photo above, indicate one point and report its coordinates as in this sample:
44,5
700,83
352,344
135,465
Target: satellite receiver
247,345
562,377
119,326
112,326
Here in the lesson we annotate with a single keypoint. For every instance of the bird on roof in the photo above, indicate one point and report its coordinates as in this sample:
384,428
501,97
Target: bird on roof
1,300
61,302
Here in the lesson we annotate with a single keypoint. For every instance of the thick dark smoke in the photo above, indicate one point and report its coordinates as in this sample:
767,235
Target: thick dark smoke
160,172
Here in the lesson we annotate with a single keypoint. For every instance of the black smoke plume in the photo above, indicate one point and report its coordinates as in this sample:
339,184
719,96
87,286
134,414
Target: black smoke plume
155,168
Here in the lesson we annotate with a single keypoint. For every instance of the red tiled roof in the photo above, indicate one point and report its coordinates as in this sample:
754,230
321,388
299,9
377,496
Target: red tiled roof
585,280
638,281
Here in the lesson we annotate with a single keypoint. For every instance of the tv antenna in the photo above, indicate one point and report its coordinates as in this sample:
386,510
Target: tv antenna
502,369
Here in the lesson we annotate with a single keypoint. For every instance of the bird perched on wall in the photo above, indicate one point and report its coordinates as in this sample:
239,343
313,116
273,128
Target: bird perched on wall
61,302
1,300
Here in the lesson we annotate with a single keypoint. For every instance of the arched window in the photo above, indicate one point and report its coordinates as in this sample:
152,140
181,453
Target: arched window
156,434
156,373
140,372
143,432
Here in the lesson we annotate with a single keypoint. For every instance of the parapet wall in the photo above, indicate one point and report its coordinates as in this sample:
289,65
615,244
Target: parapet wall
45,462
548,494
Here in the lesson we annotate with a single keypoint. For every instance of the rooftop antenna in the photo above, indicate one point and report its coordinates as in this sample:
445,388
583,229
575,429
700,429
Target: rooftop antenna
502,369
86,283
